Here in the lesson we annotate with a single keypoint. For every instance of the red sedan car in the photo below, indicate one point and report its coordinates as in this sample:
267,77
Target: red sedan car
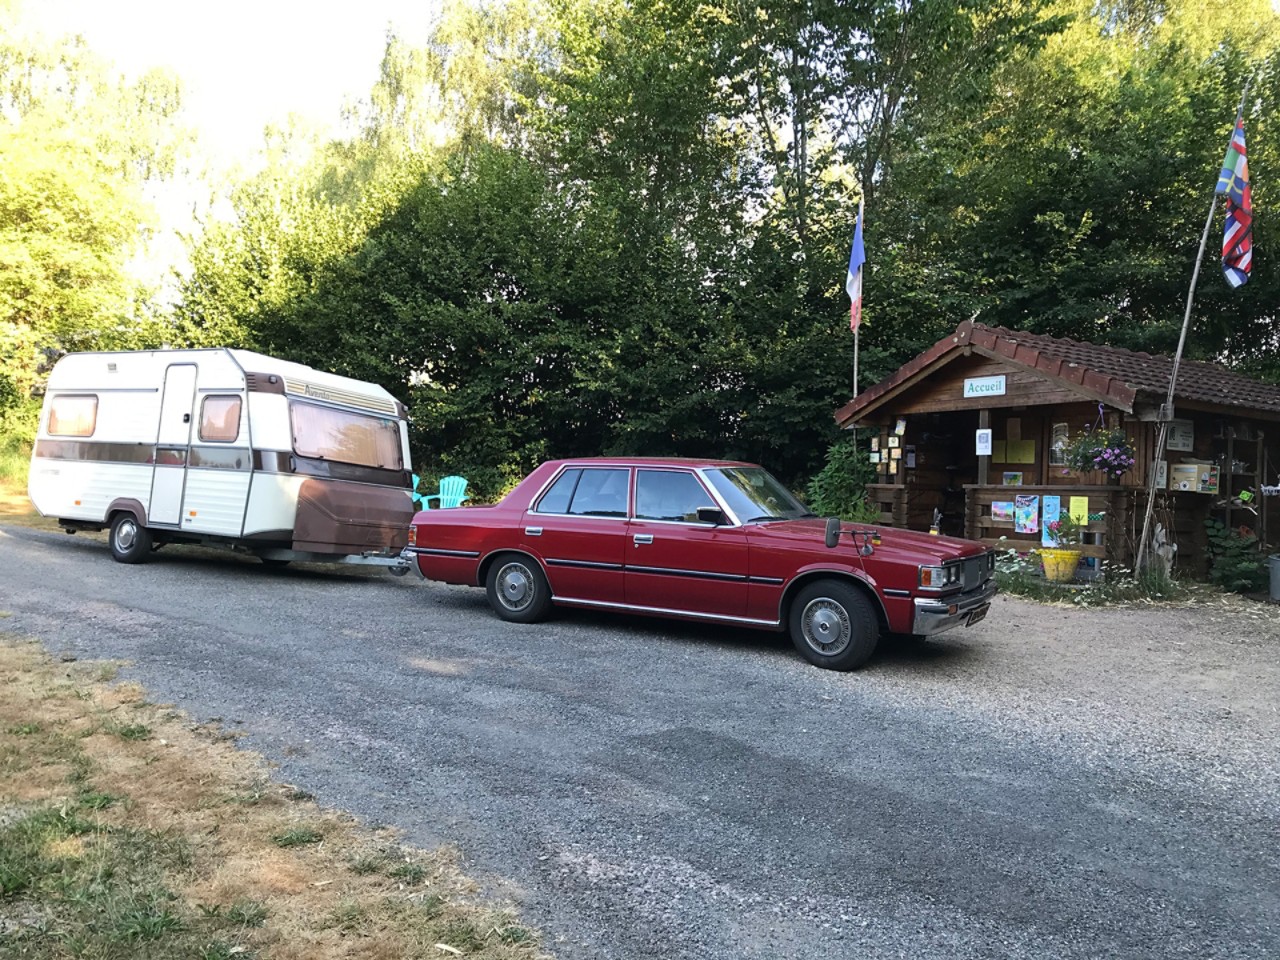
708,540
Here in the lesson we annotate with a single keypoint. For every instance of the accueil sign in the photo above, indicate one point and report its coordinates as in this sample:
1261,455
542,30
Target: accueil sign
984,386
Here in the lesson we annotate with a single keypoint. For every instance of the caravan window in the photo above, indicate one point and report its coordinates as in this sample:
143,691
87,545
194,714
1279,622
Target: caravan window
347,437
220,419
73,416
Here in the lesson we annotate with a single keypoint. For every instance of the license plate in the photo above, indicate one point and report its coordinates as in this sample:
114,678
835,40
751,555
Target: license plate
977,615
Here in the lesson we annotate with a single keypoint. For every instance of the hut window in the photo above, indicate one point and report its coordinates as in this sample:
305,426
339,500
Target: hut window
1057,444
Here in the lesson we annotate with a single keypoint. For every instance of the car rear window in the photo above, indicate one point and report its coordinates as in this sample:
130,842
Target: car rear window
588,492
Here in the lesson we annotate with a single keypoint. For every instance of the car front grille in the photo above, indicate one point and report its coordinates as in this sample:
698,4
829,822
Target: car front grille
971,573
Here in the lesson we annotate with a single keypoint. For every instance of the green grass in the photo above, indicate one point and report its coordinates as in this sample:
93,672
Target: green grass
15,459
297,837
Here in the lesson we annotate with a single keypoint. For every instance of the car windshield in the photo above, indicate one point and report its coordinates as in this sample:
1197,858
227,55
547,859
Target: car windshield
754,495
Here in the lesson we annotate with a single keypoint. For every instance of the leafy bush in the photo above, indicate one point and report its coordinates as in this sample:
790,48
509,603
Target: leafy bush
840,488
1235,563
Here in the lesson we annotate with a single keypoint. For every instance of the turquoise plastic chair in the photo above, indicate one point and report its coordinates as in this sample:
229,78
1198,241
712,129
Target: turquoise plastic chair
453,490
417,497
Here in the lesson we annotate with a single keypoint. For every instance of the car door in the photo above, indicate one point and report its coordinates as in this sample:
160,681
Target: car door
578,528
673,561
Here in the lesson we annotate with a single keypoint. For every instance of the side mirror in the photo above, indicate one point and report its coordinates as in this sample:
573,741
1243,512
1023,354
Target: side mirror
711,515
833,532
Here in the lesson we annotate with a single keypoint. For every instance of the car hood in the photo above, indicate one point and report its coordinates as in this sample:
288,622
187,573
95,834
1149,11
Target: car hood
910,545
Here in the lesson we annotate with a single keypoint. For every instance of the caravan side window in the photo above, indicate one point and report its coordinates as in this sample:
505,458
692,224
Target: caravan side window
332,434
220,419
73,416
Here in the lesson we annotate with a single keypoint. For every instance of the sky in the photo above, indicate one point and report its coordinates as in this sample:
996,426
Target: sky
244,63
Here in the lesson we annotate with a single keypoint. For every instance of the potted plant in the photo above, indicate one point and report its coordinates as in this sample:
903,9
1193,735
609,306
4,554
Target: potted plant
1061,560
1107,449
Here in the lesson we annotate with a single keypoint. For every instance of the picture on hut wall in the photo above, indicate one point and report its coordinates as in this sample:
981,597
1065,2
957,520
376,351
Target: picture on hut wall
875,457
1026,514
1002,511
1013,478
875,444
895,443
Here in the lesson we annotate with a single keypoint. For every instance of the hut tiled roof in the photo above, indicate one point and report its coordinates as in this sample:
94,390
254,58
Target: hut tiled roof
1111,373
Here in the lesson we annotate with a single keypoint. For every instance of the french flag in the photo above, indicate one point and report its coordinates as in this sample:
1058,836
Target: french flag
853,284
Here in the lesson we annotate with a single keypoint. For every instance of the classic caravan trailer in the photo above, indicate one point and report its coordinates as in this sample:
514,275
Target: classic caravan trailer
224,447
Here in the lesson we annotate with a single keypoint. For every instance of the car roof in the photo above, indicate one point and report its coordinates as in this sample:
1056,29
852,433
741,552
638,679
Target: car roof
650,462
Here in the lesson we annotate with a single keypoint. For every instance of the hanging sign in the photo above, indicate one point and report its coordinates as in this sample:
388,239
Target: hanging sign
984,386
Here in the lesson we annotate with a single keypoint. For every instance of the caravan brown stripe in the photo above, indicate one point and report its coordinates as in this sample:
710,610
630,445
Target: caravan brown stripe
225,458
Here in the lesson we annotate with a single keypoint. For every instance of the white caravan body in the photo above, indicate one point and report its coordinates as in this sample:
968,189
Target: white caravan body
223,446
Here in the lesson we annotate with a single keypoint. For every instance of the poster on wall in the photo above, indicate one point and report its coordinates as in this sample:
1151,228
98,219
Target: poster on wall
1026,514
1051,513
875,457
1012,478
901,426
1002,511
875,444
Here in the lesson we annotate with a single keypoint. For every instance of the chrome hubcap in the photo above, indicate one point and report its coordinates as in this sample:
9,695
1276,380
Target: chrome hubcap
515,586
826,626
126,535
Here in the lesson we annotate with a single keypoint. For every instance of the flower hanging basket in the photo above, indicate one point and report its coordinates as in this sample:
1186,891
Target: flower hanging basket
1106,450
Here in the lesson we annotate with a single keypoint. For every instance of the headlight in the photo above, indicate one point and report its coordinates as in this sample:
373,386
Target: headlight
939,578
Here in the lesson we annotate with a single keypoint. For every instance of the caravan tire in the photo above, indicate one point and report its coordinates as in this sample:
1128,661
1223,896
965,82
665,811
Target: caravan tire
130,541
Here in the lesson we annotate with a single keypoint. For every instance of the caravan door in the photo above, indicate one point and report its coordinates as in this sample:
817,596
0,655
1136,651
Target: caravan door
173,442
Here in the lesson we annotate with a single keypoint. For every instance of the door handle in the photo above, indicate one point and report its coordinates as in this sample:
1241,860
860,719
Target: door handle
533,531
640,538
186,418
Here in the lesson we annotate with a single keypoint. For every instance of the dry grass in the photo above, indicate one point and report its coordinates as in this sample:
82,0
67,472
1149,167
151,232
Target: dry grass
125,831
16,509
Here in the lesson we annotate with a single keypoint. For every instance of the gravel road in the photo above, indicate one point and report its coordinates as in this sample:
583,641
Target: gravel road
1053,783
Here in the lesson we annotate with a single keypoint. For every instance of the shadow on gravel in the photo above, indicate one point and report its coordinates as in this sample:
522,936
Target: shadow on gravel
208,560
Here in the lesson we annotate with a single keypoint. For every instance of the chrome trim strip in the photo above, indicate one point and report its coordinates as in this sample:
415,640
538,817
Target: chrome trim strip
438,552
896,593
722,618
771,581
587,564
691,574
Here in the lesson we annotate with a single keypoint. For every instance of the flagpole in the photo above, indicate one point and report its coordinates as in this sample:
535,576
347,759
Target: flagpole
856,330
1166,411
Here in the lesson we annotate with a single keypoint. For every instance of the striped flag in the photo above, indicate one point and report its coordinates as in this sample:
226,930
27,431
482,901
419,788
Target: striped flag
1237,239
853,284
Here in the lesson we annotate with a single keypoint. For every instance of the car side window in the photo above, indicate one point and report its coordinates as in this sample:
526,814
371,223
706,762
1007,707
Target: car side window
670,495
601,492
558,495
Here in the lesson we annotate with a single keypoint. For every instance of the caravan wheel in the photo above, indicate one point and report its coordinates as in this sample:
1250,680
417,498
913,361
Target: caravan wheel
130,541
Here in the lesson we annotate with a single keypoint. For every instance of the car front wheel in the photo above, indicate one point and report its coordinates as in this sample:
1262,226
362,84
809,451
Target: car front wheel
834,625
130,541
517,590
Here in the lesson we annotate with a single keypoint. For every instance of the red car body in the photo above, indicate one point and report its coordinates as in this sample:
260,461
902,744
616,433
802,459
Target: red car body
666,537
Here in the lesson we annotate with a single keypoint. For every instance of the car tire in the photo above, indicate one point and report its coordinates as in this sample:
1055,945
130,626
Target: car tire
130,541
834,625
517,590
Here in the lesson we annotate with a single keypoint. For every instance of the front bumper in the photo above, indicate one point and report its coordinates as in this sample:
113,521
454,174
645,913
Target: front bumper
935,614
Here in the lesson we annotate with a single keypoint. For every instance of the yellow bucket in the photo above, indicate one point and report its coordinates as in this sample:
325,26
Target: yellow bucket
1060,565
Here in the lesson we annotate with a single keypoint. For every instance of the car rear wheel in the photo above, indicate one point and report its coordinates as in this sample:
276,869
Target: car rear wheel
130,541
834,625
517,590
